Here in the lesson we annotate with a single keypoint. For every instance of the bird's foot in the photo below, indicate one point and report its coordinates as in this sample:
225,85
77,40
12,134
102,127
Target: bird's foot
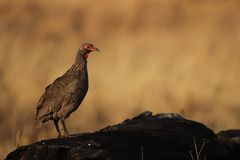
60,136
66,135
79,134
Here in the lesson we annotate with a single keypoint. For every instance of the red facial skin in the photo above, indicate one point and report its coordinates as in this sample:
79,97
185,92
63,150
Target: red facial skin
90,48
86,55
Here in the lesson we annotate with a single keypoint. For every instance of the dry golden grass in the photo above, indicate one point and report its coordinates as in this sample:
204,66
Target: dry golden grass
158,55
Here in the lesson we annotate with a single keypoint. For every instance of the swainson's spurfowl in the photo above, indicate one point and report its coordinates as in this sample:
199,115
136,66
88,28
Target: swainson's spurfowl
66,93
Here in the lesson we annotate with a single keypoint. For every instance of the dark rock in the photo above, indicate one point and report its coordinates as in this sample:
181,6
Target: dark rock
145,137
231,139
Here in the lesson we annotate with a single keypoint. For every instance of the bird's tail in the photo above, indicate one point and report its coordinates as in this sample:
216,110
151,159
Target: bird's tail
38,122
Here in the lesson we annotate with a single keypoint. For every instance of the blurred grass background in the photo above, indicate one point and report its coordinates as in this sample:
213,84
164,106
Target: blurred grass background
158,55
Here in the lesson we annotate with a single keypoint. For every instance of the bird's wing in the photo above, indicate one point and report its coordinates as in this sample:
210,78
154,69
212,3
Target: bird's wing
55,94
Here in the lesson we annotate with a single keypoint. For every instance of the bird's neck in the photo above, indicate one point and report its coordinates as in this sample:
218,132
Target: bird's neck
80,64
80,58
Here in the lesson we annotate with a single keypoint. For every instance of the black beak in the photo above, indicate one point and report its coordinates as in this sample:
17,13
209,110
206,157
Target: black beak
96,49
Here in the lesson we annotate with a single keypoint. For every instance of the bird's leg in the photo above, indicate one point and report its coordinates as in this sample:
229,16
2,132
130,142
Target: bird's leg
64,128
57,128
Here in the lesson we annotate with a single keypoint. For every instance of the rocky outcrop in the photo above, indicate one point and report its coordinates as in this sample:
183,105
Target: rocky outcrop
144,137
231,139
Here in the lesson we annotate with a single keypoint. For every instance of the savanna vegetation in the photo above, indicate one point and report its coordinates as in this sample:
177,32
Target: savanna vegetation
158,55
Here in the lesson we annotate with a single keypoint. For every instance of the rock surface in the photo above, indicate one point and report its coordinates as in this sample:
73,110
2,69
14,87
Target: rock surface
231,139
144,137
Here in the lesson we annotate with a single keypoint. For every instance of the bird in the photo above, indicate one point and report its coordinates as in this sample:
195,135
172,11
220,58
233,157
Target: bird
66,93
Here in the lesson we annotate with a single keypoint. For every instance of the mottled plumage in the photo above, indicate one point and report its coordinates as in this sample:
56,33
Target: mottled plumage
66,93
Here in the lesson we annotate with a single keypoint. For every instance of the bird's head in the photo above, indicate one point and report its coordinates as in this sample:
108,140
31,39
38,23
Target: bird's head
86,48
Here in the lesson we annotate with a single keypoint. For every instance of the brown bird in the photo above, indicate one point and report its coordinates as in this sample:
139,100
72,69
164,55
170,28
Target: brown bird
66,93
